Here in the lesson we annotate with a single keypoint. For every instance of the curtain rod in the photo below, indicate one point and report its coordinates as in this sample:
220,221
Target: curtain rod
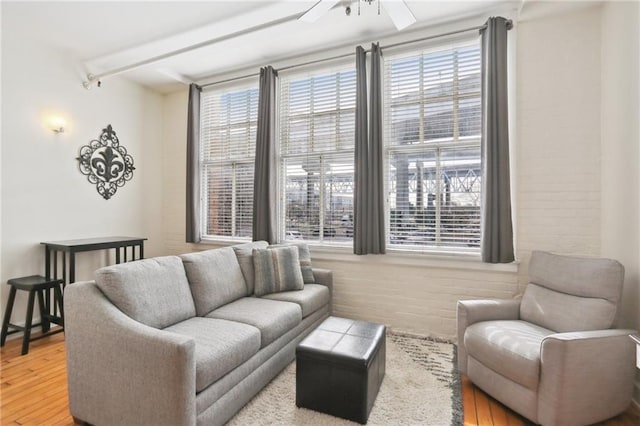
509,24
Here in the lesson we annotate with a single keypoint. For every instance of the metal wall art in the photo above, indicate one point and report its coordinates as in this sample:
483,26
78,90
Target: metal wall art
106,163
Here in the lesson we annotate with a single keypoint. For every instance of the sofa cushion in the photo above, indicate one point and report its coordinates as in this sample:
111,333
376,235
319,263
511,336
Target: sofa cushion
273,318
215,278
221,346
304,255
572,293
510,347
311,298
153,291
276,270
244,253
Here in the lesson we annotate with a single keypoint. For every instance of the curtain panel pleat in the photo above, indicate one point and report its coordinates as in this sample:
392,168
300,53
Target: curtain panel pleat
375,173
265,178
497,228
368,233
361,156
193,165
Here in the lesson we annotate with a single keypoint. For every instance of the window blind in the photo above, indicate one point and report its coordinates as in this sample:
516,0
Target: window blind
228,141
432,120
317,132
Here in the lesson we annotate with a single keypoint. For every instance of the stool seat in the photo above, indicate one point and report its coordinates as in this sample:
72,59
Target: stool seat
340,367
39,286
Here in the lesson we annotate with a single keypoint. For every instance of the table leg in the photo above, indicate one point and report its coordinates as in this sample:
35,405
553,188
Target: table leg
47,263
72,268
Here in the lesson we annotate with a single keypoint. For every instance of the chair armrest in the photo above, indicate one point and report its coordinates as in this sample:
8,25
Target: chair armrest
121,371
325,277
585,376
473,311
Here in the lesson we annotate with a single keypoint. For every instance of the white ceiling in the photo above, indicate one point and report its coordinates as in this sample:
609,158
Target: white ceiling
104,36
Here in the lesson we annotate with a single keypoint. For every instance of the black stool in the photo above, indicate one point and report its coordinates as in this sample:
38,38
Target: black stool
34,284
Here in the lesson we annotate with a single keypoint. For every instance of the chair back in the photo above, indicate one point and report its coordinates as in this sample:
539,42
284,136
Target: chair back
571,293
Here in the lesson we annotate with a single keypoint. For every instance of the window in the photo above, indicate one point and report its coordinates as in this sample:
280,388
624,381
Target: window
227,153
317,132
432,121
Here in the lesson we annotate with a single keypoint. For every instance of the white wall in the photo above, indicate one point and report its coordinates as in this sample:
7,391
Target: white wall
44,196
620,143
558,132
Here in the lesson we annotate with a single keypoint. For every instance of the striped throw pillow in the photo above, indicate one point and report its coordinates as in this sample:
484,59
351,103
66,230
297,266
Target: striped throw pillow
276,270
304,254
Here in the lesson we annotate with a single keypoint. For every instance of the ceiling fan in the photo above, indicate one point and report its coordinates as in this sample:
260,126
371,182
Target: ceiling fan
397,10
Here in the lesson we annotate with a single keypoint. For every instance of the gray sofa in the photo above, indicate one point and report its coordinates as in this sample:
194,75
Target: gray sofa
554,356
182,340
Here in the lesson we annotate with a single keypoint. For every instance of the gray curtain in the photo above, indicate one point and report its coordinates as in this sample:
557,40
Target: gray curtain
368,231
265,179
193,166
375,172
497,230
361,156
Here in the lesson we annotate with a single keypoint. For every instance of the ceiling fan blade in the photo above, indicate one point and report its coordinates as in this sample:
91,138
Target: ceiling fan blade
317,10
399,13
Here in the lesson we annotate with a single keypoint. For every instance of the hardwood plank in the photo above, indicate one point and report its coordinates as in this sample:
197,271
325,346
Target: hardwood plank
470,417
498,412
483,412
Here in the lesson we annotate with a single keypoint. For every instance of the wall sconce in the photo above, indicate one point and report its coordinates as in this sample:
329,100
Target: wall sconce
57,124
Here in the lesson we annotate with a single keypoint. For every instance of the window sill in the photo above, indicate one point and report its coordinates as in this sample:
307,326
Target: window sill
431,259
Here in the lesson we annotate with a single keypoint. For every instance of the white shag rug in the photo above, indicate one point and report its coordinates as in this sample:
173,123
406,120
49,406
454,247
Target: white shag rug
421,387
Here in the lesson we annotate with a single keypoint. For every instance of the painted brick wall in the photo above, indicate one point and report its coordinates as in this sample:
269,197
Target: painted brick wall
558,135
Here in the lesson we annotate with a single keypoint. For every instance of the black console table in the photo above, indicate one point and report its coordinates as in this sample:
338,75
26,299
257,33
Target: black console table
120,244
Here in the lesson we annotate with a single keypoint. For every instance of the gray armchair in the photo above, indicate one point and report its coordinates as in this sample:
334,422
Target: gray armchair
553,356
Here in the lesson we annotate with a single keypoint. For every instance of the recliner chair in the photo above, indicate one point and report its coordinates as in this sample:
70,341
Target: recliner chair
553,356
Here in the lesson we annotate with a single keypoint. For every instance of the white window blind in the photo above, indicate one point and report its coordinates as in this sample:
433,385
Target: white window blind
227,152
432,135
317,131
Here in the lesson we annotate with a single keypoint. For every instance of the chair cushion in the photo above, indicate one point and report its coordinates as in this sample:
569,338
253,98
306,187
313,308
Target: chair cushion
510,348
562,312
244,253
215,278
272,317
571,293
221,346
153,291
304,255
311,298
276,270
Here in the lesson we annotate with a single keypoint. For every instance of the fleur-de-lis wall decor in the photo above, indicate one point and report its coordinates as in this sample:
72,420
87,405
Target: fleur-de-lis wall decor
106,163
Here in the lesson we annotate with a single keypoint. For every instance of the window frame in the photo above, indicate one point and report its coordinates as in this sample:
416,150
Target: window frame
453,143
204,164
335,67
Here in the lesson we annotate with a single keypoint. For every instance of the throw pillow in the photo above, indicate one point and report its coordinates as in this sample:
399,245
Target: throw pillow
277,269
304,255
244,252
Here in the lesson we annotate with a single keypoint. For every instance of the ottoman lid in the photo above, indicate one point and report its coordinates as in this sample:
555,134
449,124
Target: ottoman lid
343,341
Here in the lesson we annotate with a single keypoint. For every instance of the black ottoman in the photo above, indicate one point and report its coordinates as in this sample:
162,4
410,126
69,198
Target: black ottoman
339,368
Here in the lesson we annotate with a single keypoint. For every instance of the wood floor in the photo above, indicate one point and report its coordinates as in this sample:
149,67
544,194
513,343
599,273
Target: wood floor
33,391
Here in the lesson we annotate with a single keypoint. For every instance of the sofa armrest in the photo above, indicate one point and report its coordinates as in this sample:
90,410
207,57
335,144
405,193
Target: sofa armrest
472,311
585,376
325,277
121,371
